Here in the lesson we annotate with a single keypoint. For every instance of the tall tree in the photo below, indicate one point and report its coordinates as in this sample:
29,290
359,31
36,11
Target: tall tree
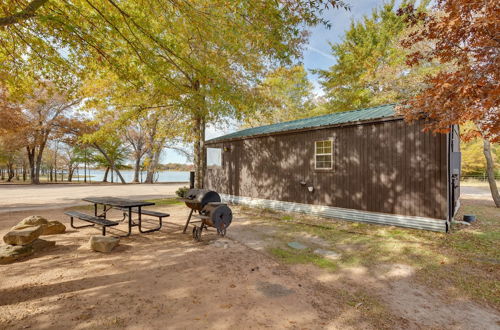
370,68
465,35
70,157
207,60
10,155
159,129
288,94
113,153
205,55
135,135
44,114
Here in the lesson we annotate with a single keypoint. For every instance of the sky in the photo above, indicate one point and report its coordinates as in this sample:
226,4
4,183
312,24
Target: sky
316,56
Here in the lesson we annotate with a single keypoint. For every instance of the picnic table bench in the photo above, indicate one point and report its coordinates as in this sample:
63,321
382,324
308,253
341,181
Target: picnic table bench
88,218
128,206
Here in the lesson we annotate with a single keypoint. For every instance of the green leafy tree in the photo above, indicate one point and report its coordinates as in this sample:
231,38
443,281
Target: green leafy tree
371,64
288,94
112,156
473,160
205,56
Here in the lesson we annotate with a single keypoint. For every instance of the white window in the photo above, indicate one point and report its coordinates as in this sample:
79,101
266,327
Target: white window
323,155
214,157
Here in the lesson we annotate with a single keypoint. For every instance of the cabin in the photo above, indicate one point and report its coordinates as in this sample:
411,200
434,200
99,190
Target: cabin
366,165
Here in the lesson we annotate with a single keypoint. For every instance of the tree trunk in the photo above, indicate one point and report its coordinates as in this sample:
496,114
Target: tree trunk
153,164
203,150
199,151
85,167
490,170
38,161
153,153
105,178
150,171
71,169
31,159
137,168
10,172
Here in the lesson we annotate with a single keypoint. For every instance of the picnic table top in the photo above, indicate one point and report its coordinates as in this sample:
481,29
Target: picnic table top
118,202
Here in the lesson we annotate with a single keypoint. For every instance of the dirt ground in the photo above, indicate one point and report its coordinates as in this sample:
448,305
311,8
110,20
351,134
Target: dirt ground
165,280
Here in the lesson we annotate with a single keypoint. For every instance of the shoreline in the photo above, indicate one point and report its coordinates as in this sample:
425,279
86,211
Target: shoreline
88,183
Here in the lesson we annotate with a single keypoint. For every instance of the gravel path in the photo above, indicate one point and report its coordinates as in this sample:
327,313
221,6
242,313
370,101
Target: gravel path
28,197
474,192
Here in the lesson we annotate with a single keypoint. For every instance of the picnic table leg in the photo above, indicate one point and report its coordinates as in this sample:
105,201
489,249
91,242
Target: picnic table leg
95,209
129,222
77,227
149,230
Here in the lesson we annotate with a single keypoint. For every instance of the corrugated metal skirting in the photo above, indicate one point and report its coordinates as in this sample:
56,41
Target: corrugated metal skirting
341,213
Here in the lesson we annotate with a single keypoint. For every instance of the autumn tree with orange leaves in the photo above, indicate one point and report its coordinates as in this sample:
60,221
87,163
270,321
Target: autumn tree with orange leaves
45,114
465,35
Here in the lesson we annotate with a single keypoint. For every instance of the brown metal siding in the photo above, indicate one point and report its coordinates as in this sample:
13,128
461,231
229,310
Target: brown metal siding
387,166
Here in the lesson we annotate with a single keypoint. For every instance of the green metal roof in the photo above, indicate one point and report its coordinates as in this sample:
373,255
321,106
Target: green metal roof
336,118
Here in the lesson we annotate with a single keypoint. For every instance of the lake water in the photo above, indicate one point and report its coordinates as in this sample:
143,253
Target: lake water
128,175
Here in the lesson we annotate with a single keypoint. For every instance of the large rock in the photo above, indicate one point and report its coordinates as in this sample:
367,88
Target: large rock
33,220
11,253
103,243
49,227
41,244
23,236
54,227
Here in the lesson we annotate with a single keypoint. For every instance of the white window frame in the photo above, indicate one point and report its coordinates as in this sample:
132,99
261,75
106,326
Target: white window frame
212,166
323,154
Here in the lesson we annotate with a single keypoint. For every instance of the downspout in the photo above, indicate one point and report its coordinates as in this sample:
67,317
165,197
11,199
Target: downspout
448,181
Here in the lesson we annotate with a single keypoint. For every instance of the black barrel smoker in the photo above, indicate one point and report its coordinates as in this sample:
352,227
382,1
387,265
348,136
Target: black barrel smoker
211,212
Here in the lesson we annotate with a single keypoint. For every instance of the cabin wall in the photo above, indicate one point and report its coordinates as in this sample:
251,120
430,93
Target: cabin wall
388,166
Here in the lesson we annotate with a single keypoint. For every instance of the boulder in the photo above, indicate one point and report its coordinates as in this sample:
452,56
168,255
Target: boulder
103,243
49,227
41,244
54,227
33,220
11,253
23,236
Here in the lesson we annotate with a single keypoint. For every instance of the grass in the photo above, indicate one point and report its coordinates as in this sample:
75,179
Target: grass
463,263
477,183
165,201
290,256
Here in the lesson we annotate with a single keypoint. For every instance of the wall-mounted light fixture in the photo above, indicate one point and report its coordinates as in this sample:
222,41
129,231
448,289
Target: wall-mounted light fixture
226,149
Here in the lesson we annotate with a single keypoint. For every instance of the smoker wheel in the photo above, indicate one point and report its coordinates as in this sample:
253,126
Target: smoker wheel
197,233
221,231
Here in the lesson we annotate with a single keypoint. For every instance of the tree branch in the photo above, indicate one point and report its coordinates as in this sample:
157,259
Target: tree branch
24,14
